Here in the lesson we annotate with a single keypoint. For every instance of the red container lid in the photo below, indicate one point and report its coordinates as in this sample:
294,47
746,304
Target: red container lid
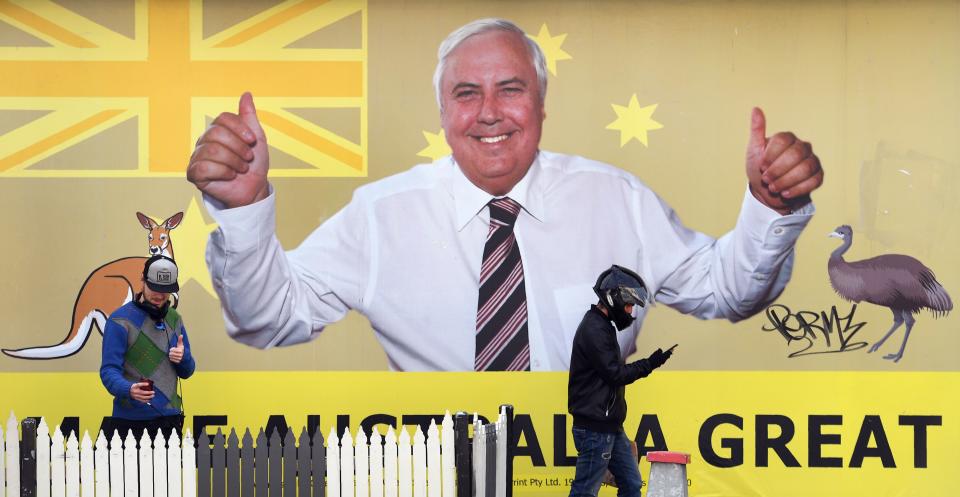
670,457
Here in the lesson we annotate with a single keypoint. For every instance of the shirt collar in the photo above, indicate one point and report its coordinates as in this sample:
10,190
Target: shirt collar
471,200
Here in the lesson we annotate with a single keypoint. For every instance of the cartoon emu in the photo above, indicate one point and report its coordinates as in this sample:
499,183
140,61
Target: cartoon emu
106,289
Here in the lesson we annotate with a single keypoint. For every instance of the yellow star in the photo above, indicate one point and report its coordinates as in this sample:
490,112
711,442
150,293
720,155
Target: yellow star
634,121
436,146
551,47
189,241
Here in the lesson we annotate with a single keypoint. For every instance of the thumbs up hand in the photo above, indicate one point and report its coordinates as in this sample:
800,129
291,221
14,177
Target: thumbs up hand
782,169
176,353
230,161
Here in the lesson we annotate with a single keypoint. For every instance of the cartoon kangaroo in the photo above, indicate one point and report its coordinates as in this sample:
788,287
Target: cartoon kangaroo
106,289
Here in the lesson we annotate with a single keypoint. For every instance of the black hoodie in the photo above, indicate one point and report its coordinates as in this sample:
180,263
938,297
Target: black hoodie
598,375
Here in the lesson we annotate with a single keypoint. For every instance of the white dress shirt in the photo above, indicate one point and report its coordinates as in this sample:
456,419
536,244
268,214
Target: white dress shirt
406,252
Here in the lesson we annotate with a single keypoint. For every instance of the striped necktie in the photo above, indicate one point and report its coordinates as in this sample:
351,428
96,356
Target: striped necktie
502,342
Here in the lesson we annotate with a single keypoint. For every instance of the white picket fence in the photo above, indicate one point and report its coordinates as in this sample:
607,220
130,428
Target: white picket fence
355,465
71,468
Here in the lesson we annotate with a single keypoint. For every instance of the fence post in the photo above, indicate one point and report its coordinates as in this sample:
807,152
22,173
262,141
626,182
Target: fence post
507,409
28,458
461,442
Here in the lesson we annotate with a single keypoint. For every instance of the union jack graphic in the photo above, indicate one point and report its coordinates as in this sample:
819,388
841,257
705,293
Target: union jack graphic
154,74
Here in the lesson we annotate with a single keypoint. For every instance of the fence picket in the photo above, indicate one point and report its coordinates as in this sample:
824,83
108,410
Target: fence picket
434,484
447,461
218,464
233,464
130,472
318,464
145,467
303,464
479,458
174,466
490,453
362,455
376,463
13,457
404,470
260,454
346,464
501,462
333,464
101,466
73,466
43,459
276,474
390,465
86,466
203,465
419,463
246,465
289,464
58,478
3,464
189,466
116,465
159,465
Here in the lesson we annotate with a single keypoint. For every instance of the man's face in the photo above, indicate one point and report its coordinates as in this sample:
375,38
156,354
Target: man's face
492,114
155,298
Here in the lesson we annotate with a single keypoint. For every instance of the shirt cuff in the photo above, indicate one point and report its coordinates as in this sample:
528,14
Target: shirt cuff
769,226
245,227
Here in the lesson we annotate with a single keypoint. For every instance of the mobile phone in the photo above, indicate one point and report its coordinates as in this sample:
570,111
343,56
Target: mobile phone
149,383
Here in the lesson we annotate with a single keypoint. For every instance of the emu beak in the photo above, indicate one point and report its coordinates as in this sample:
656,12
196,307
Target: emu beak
834,234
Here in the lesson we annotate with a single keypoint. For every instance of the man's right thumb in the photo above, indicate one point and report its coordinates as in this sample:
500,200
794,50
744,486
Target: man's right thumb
248,112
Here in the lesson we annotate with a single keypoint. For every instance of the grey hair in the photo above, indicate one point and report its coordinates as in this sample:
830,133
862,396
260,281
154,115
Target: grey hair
481,26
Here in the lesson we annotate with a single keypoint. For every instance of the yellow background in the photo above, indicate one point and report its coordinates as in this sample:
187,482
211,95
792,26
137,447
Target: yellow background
873,85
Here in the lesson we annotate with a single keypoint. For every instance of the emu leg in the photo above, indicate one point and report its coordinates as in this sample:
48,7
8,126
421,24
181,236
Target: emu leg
906,336
897,321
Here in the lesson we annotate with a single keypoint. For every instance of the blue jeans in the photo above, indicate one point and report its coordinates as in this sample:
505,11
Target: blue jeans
597,452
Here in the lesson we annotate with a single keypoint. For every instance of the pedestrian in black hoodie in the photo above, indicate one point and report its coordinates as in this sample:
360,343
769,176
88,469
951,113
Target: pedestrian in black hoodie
595,390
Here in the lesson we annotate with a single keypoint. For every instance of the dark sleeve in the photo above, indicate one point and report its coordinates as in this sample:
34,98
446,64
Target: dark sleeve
602,352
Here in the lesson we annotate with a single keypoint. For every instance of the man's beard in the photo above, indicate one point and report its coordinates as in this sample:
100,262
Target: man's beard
154,311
